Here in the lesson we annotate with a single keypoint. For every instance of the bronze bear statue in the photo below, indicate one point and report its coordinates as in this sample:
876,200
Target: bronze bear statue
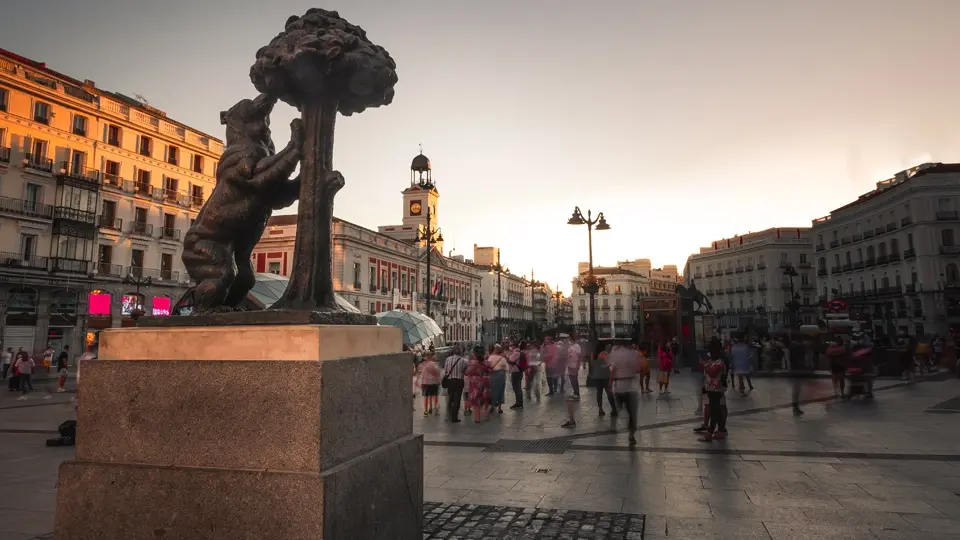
252,181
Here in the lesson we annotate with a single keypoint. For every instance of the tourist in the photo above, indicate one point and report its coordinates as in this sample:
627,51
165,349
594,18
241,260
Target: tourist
430,376
643,368
62,361
533,372
454,370
550,352
563,347
599,379
24,367
666,366
740,360
517,360
714,387
624,366
47,358
837,356
6,357
478,393
573,393
675,351
498,377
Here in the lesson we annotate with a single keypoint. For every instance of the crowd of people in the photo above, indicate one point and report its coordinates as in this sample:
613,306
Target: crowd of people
19,367
477,380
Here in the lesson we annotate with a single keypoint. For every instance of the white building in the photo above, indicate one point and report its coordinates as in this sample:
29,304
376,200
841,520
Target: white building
616,305
745,277
893,254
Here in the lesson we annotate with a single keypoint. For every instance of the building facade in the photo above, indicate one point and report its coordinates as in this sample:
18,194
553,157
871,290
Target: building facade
617,304
749,283
893,255
95,187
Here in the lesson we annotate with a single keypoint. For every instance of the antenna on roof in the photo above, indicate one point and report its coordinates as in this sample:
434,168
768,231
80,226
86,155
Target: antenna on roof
141,99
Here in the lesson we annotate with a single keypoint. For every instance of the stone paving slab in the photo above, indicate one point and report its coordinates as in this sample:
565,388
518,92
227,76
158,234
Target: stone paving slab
462,521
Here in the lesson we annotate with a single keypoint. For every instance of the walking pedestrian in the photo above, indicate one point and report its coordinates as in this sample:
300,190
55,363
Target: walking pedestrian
624,366
599,378
740,359
24,366
62,360
675,351
47,358
498,377
837,356
550,352
666,366
534,372
454,370
714,387
430,377
573,392
518,364
478,393
6,357
643,366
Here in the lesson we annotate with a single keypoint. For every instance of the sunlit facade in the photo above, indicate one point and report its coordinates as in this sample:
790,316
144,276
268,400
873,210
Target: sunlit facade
94,187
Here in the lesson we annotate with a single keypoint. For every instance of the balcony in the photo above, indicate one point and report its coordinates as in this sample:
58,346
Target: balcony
868,234
857,237
847,267
750,288
196,200
804,265
170,233
113,180
762,287
834,269
605,308
892,226
728,270
906,221
882,259
618,308
162,274
901,314
894,257
739,269
109,269
72,171
142,188
169,195
909,254
807,286
785,285
110,222
17,260
870,262
949,250
749,268
834,243
947,215
761,266
37,163
21,207
889,290
141,228
4,154
845,240
720,292
740,289
821,247
821,272
858,265
74,215
75,266
730,290
697,275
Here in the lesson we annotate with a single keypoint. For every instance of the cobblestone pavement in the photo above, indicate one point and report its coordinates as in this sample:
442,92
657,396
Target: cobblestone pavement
882,470
462,521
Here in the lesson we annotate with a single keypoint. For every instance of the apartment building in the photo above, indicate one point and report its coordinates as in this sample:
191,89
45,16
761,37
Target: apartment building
751,279
893,255
96,192
616,306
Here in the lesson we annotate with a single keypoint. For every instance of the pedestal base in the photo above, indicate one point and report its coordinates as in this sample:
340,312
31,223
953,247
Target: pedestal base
266,317
378,495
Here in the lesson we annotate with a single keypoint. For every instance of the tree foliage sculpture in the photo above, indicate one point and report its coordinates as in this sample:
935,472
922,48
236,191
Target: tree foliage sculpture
321,64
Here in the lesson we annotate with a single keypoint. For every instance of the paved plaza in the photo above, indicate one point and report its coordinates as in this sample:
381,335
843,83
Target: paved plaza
886,469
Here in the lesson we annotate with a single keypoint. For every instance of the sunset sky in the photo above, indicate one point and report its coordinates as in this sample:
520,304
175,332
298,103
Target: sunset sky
684,121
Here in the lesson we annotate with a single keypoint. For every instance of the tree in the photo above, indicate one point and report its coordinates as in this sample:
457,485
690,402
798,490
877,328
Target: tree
321,64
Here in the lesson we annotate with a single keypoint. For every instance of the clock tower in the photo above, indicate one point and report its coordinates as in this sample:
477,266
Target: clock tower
421,198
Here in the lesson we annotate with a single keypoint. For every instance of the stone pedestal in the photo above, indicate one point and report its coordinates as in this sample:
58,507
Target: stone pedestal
245,432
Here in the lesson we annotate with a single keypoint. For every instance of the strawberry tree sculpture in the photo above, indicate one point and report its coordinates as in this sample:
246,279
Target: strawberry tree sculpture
322,65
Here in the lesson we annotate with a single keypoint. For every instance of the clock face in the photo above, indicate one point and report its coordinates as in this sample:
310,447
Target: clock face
415,208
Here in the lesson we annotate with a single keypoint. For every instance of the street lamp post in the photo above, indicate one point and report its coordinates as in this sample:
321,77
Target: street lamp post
429,236
499,270
137,281
591,285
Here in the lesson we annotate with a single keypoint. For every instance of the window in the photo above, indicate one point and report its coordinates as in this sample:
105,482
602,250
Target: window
356,276
953,275
143,182
173,155
41,112
197,163
909,240
946,237
113,135
32,195
859,254
3,136
3,99
393,280
894,246
146,146
80,125
170,186
169,221
109,213
274,267
618,289
38,151
803,258
28,246
140,215
166,265
78,162
944,204
136,258
105,256
373,278
111,171
383,280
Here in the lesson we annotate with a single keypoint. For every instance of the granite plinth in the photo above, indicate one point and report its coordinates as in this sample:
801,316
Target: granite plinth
265,317
296,431
375,496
